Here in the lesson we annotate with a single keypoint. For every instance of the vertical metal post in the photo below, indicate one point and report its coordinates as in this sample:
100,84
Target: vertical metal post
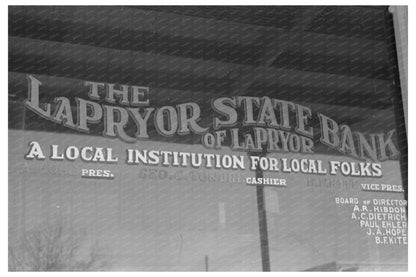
206,263
264,239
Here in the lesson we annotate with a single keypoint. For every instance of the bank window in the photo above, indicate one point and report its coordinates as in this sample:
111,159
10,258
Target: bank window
205,138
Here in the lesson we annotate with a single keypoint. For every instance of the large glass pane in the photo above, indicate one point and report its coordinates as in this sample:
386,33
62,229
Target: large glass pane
205,139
